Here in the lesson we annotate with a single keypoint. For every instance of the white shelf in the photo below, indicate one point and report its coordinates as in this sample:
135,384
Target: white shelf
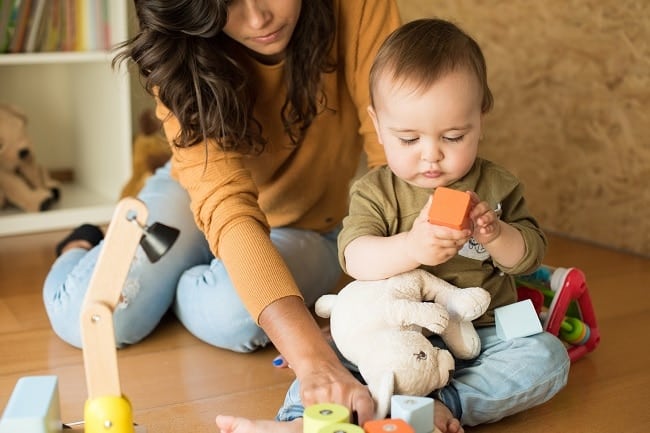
78,205
79,111
55,57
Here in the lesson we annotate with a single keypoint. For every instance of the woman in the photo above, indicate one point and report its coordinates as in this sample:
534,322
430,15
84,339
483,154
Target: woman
264,106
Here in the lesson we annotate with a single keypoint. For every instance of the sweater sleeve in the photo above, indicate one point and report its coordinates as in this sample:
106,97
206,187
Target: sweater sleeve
223,199
516,213
497,185
375,20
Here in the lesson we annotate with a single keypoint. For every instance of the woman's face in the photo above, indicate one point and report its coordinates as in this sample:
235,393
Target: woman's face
263,26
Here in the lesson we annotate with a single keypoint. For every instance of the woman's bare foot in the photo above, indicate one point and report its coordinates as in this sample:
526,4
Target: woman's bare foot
444,419
232,424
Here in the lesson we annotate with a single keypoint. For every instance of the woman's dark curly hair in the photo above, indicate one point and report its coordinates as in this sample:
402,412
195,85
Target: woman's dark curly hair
180,49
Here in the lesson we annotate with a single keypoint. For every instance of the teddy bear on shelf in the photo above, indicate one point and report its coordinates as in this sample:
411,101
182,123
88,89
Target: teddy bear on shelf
150,151
24,183
378,326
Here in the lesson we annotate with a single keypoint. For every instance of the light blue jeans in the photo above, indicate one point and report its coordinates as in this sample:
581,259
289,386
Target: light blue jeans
188,278
506,378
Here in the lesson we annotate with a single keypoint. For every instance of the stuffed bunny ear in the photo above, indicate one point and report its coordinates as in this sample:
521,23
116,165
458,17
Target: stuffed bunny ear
381,388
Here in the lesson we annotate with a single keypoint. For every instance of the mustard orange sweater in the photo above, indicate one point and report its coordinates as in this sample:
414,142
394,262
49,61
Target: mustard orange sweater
236,198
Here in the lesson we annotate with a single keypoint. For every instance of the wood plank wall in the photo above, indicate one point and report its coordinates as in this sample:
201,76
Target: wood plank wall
571,80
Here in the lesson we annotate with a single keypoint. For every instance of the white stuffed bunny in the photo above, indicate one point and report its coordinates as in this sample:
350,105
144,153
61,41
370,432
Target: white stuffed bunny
378,326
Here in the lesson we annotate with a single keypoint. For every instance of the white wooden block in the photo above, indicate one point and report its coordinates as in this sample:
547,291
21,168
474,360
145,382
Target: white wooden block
417,411
33,407
517,320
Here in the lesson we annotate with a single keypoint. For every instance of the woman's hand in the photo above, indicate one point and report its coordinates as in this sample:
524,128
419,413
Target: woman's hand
323,379
333,383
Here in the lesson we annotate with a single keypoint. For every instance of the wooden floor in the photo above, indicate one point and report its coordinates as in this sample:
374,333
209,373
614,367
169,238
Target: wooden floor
178,384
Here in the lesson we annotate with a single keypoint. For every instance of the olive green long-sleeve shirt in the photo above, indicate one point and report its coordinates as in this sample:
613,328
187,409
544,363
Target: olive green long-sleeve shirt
381,204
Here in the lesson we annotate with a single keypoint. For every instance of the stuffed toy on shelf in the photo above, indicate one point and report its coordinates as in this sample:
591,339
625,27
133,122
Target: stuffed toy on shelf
378,325
150,151
24,183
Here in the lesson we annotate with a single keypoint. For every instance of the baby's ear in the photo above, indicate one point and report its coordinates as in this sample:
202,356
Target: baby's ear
373,116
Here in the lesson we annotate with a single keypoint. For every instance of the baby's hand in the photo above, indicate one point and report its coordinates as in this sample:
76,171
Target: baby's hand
430,244
487,226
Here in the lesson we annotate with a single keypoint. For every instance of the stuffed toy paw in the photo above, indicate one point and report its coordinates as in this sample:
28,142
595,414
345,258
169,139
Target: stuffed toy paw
378,326
463,306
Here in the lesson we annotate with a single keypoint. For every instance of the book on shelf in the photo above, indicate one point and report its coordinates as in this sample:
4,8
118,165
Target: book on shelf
34,28
20,27
6,10
54,25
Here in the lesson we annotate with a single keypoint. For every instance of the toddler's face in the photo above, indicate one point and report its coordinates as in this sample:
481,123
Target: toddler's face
430,135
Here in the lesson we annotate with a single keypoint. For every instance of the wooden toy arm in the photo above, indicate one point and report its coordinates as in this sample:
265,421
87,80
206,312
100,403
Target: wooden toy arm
113,263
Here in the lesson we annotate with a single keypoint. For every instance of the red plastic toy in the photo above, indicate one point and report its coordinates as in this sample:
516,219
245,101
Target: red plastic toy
561,298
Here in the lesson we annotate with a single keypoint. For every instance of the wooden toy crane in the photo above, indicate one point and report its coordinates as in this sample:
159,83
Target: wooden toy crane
34,405
107,410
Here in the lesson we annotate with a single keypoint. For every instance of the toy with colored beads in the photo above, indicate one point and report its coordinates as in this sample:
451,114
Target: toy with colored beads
561,298
411,415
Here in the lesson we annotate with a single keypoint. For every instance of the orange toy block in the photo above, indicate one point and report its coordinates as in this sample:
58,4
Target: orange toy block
450,208
387,426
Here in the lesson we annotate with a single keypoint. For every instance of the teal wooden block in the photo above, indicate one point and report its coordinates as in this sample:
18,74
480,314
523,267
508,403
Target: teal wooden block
417,411
33,407
517,320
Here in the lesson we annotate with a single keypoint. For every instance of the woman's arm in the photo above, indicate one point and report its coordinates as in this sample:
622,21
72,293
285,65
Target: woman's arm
239,237
369,23
322,377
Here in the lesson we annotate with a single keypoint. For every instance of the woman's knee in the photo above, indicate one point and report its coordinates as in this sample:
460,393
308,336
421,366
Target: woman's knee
210,308
311,258
238,334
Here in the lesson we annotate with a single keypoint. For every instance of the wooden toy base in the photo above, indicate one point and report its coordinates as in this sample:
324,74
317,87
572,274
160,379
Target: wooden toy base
78,427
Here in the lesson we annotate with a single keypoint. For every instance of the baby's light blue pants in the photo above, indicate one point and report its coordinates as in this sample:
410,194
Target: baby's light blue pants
188,278
506,378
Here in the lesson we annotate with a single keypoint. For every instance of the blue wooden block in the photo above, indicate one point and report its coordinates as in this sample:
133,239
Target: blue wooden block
33,407
517,320
417,411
